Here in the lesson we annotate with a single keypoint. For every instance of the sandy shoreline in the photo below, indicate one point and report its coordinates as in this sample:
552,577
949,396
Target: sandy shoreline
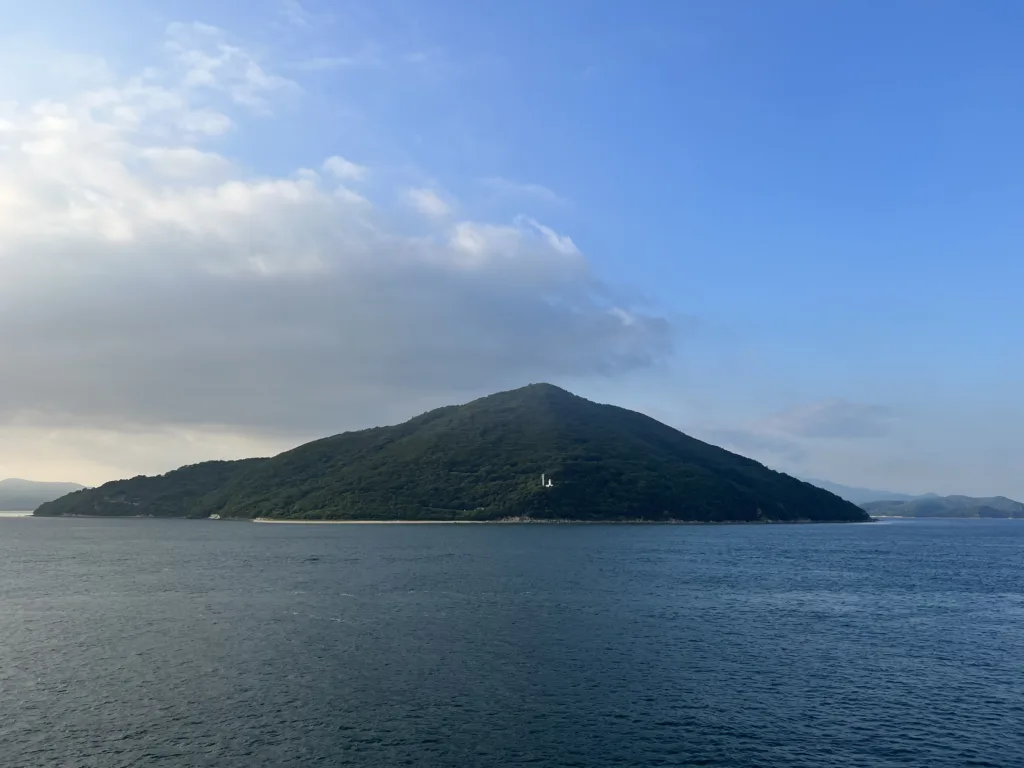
507,521
547,522
374,522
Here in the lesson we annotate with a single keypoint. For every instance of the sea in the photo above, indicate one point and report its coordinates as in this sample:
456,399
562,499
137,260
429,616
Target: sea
173,643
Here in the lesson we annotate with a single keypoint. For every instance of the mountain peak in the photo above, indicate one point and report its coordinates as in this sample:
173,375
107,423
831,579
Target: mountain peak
537,390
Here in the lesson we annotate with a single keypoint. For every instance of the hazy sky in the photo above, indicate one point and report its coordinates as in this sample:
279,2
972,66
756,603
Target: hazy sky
792,228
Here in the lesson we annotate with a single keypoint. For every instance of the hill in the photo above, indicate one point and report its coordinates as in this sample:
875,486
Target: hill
862,495
22,495
179,493
484,461
949,506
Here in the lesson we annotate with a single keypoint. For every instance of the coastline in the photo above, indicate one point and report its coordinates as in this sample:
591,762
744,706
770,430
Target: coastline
285,521
535,521
501,521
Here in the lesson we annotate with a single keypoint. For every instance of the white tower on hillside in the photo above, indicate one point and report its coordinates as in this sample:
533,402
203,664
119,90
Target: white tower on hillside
545,483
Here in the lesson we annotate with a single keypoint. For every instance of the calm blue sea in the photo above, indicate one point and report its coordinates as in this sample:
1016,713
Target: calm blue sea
203,643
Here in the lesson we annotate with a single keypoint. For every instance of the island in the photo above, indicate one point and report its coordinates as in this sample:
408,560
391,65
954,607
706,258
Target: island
994,507
538,453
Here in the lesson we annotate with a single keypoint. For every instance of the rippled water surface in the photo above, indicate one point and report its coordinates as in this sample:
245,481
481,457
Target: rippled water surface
202,643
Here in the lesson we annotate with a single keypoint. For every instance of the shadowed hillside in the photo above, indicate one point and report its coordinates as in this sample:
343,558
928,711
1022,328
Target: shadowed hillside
176,494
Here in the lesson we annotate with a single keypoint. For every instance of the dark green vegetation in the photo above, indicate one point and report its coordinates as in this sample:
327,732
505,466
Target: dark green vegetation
22,495
483,461
180,493
949,506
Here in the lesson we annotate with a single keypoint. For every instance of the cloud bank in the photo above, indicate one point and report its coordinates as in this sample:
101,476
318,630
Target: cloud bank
148,280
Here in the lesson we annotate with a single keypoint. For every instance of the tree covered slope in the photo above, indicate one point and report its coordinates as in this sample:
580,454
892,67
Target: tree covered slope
483,461
176,494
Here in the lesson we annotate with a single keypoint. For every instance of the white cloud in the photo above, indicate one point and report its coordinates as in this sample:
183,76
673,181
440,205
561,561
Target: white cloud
186,163
87,70
205,60
341,168
323,63
148,283
368,57
202,122
520,190
833,439
350,196
789,438
295,14
775,451
561,243
836,418
428,202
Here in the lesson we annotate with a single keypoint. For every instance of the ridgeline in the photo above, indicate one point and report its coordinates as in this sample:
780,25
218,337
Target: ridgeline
483,461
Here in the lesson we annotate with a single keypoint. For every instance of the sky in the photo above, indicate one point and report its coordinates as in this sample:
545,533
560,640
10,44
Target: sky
793,229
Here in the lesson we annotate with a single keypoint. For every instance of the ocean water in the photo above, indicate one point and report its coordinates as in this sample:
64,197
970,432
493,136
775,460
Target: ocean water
203,643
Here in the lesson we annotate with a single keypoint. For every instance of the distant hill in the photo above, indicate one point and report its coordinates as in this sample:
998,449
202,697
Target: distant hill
483,461
25,495
948,506
862,495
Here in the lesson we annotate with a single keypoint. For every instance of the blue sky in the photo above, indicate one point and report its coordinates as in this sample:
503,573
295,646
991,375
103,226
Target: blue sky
815,207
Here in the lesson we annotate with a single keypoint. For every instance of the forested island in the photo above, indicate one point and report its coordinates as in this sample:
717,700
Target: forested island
483,461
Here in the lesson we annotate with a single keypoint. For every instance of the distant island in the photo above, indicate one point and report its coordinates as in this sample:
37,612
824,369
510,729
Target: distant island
535,453
948,506
25,495
863,496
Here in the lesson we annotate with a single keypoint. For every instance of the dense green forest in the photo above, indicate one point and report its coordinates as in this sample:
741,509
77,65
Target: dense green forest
484,461
176,494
